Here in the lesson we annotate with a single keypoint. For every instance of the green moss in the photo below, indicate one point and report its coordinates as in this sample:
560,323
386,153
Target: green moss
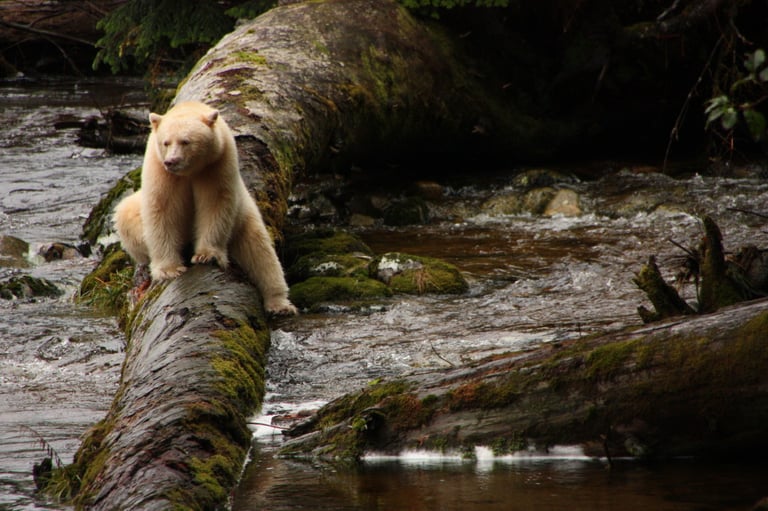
241,365
323,242
249,57
106,287
97,223
411,274
363,415
487,395
353,404
26,286
329,265
319,290
607,361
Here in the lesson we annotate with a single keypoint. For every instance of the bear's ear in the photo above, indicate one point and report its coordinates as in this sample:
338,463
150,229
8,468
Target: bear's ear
210,118
155,119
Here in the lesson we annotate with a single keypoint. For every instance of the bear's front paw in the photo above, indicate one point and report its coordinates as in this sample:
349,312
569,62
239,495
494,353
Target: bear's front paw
166,272
280,306
211,256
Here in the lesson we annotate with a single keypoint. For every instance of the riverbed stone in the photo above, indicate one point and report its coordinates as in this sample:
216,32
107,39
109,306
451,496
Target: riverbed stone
26,286
565,202
407,211
541,178
13,252
509,203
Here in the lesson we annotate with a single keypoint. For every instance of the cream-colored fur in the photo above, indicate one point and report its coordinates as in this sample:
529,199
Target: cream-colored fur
192,194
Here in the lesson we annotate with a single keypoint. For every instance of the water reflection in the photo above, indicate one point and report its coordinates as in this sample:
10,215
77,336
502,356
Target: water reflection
555,485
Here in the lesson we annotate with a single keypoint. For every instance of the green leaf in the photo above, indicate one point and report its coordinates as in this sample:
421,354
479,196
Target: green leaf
730,118
755,60
717,103
763,76
756,123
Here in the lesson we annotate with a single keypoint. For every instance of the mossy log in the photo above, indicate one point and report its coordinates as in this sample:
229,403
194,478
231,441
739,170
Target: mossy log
176,436
692,387
318,85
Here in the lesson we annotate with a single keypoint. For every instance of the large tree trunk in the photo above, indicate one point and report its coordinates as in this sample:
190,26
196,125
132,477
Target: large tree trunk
176,436
317,85
685,387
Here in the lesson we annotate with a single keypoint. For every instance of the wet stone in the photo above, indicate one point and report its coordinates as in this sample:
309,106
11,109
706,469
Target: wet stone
26,286
13,252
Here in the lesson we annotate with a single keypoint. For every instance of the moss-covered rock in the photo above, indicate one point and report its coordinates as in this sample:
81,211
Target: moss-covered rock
322,242
313,292
26,286
329,265
405,273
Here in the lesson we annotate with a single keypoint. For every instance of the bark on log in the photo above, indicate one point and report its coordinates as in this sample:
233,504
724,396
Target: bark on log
692,387
176,436
319,84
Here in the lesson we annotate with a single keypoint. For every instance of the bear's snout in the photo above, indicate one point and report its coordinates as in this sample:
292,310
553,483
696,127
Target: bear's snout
172,164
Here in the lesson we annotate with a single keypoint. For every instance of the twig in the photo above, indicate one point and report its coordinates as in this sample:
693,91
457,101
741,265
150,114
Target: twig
440,356
748,212
267,425
44,444
43,32
684,109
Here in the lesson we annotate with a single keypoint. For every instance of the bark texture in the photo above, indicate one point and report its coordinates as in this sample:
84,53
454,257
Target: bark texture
176,435
692,387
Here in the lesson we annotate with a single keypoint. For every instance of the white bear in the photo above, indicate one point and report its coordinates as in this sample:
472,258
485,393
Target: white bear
192,194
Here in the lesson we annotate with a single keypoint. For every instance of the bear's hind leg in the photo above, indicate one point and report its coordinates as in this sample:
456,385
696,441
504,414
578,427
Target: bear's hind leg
127,221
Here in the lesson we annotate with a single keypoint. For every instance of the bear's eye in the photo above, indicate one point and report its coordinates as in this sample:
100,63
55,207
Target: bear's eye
167,143
184,141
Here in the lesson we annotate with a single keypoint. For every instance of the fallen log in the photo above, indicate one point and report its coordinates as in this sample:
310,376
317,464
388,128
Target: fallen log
176,436
317,86
300,86
684,387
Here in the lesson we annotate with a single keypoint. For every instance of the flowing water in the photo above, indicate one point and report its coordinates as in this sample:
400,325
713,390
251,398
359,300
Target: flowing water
59,364
532,280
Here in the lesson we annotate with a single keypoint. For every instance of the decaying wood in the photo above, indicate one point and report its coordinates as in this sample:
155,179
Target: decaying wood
720,282
665,299
176,436
685,387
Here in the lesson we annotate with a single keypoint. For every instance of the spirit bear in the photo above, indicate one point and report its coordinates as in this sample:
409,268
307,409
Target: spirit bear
192,194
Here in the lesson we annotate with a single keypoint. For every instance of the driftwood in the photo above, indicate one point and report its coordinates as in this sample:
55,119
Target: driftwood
176,436
720,282
685,387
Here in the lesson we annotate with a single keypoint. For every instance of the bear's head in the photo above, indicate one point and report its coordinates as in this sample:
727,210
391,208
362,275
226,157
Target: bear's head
185,138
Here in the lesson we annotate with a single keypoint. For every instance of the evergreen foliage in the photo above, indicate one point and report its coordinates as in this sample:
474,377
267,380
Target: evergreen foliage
433,7
142,32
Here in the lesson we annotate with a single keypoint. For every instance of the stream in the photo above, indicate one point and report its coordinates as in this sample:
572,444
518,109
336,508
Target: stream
533,280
